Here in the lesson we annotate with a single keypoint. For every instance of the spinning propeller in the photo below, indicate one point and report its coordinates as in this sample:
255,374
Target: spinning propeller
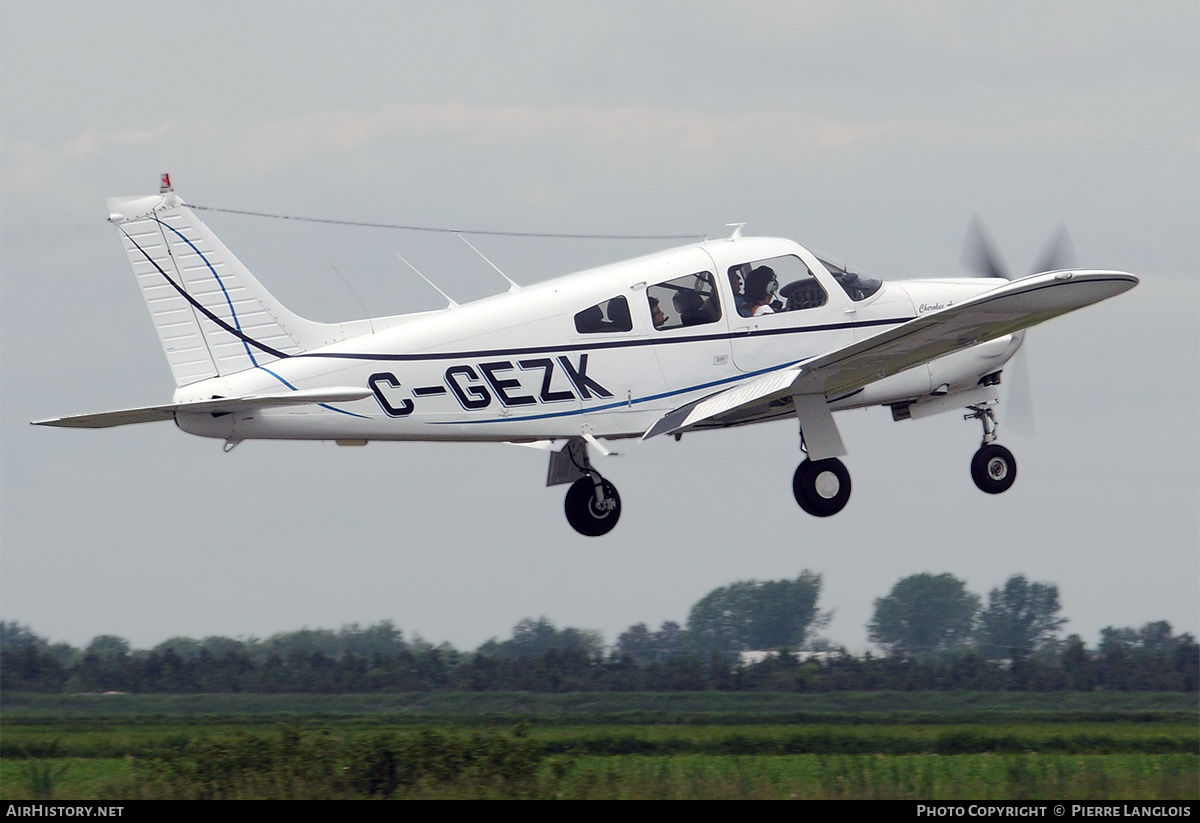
982,259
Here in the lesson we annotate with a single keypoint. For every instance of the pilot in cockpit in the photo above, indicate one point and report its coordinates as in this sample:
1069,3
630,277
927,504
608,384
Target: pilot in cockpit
761,286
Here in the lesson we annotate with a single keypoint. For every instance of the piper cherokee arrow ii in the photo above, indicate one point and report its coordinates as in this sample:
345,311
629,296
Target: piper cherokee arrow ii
721,333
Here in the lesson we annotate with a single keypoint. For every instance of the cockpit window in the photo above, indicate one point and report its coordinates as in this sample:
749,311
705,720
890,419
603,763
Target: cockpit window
757,288
855,285
609,316
685,301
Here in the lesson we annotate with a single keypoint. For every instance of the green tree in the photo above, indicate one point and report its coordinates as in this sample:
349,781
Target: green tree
108,647
28,662
645,647
1078,665
15,637
924,613
636,643
1018,619
533,638
185,647
753,615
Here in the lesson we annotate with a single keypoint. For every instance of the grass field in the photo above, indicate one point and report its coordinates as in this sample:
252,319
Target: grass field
940,746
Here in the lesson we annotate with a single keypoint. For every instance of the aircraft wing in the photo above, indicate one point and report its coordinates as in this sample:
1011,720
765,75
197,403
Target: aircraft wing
722,407
218,405
1003,310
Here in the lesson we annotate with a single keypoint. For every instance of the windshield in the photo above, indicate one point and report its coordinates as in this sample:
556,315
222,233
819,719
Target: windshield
855,285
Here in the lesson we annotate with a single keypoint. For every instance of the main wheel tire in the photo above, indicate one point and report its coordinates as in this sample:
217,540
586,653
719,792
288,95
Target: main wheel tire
584,515
993,469
822,487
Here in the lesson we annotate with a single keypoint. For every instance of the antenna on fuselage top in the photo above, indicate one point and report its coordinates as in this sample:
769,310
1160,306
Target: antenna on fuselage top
449,299
737,230
512,286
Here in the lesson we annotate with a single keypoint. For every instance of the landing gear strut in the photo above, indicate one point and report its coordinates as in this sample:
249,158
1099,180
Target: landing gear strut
993,468
822,487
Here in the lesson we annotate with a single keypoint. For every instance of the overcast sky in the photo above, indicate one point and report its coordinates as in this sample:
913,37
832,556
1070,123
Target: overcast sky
869,132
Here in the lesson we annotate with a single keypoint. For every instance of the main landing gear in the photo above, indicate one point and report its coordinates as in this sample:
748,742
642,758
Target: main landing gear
993,468
592,505
822,487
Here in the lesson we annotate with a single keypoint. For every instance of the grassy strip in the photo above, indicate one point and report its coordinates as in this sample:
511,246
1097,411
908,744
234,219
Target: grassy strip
63,778
99,740
628,707
909,777
694,777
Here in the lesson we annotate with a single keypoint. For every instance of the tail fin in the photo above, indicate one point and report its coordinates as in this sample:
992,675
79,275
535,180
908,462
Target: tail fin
212,316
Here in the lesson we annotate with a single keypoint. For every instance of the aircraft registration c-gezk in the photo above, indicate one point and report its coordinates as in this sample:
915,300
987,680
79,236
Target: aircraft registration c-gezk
721,333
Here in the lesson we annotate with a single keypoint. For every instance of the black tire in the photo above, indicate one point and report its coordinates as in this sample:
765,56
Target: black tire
582,512
993,469
822,487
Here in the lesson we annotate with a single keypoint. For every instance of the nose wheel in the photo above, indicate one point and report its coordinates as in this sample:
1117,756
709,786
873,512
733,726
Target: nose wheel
822,487
993,469
592,506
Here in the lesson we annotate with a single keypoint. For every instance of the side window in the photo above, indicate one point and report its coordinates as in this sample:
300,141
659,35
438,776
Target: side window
609,316
685,301
778,284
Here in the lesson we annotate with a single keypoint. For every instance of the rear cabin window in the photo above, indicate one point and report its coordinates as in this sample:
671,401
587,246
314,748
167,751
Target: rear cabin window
773,286
685,301
609,316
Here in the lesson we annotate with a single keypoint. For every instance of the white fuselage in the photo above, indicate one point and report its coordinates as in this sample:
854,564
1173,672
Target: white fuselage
523,366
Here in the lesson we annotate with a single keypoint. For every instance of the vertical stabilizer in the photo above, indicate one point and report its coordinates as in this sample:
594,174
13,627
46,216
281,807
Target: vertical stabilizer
212,316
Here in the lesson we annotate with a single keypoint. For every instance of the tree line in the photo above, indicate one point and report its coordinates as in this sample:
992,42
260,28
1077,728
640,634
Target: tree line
935,635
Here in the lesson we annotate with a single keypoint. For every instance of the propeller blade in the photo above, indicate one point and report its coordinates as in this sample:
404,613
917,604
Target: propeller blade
1058,254
981,257
979,252
1019,414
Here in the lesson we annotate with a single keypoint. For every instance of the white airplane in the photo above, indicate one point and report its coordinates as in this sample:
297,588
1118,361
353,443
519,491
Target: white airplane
720,333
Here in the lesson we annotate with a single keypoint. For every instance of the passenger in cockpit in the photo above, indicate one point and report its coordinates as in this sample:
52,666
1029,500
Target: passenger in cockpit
657,315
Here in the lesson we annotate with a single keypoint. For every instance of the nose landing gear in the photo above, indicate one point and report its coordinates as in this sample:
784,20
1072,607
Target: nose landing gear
993,468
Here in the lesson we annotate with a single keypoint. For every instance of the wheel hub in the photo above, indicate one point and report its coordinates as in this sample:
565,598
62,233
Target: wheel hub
602,508
997,468
827,485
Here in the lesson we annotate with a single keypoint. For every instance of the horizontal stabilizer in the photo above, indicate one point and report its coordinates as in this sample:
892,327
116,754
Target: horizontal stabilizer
217,405
1003,310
